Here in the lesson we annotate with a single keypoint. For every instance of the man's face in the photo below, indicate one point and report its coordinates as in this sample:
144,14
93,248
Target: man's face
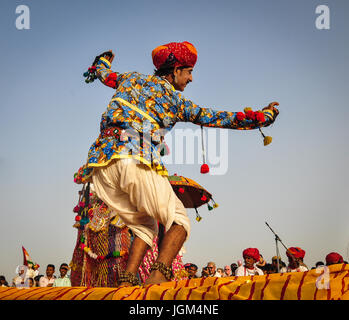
182,77
227,270
50,271
249,262
211,269
192,271
63,271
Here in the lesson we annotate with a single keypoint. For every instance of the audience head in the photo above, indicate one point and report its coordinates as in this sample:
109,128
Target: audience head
333,258
211,266
251,256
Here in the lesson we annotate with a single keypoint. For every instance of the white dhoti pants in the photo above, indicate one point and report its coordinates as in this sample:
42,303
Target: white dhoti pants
140,196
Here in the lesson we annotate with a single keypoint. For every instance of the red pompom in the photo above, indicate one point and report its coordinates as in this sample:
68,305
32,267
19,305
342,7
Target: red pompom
240,116
250,115
204,168
77,218
76,209
203,198
181,190
260,116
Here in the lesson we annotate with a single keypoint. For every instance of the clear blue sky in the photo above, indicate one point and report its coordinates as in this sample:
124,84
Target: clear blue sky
249,53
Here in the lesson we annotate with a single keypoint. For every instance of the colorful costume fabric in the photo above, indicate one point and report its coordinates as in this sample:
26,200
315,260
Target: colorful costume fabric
94,262
143,109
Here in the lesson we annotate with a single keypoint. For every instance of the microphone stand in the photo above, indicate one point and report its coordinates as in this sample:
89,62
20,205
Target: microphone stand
277,238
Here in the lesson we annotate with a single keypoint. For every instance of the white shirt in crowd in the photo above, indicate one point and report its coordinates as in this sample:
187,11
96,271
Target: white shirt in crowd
242,271
44,281
299,269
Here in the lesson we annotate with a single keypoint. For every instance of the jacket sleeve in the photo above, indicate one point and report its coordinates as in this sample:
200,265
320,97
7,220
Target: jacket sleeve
208,117
105,74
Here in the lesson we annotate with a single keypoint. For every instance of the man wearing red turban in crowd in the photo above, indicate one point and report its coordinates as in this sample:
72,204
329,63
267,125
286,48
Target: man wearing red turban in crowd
251,256
333,258
295,257
125,164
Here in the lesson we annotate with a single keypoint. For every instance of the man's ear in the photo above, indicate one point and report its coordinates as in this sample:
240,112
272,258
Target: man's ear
176,70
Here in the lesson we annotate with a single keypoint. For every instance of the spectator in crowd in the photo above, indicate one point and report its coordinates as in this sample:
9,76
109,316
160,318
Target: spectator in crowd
191,268
31,283
233,268
63,280
31,271
20,281
251,256
37,279
3,282
49,278
204,272
227,271
268,268
212,272
333,258
220,271
261,262
274,262
295,257
318,264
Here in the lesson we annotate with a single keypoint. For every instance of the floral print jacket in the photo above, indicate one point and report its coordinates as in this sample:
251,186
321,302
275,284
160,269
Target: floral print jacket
142,110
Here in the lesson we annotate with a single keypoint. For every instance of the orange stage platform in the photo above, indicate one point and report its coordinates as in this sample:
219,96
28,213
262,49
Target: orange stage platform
310,285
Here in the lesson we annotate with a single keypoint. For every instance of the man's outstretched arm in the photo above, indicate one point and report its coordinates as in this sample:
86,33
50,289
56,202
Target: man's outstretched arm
103,71
247,120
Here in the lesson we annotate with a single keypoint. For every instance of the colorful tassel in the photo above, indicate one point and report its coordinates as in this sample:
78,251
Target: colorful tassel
204,168
198,217
266,139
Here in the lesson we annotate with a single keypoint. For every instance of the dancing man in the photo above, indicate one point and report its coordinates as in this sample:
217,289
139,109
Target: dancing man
124,163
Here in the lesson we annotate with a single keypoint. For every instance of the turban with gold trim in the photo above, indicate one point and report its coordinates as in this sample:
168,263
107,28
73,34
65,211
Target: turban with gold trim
252,253
175,54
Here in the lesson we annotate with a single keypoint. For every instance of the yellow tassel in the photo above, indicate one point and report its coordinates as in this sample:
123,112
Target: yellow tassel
215,205
247,109
198,218
267,140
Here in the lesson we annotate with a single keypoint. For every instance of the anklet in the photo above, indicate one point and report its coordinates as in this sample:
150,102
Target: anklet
166,271
128,277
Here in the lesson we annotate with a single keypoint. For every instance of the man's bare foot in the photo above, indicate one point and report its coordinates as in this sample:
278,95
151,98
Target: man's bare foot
156,277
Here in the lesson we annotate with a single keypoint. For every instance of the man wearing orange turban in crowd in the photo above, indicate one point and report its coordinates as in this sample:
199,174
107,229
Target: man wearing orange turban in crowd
124,163
251,256
295,257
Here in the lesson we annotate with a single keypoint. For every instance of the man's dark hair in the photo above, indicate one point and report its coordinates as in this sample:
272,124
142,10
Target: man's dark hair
51,265
63,265
319,263
168,66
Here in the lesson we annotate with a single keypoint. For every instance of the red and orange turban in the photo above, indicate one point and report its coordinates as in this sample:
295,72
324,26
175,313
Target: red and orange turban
296,252
252,253
184,53
333,258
